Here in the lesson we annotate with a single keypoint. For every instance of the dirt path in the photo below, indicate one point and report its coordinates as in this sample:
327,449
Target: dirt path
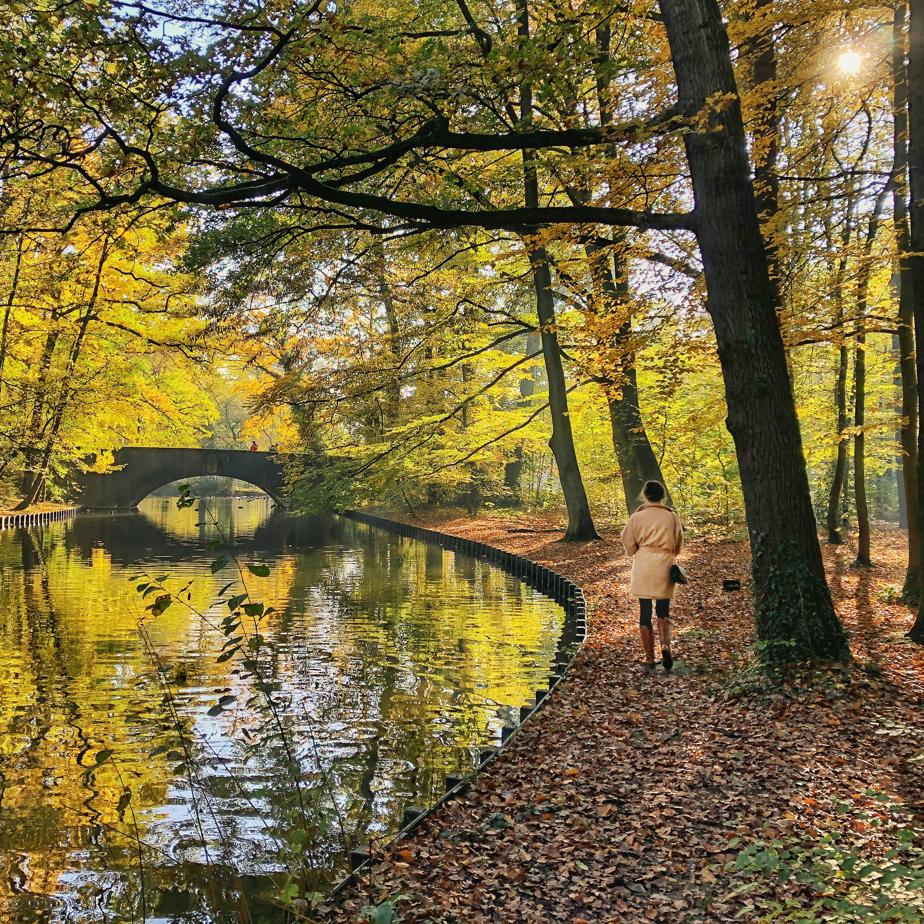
623,800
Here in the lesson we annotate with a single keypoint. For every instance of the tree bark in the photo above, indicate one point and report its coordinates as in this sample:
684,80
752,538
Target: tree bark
915,84
8,307
513,470
793,607
839,473
580,522
634,455
637,460
840,462
759,54
908,436
863,559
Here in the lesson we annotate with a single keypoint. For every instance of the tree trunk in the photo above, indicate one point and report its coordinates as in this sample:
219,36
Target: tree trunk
840,462
908,436
513,470
637,460
793,607
759,54
863,559
915,260
859,446
30,480
839,473
8,307
580,522
634,455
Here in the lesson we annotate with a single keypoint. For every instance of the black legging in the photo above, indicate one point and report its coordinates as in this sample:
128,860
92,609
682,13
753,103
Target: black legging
662,608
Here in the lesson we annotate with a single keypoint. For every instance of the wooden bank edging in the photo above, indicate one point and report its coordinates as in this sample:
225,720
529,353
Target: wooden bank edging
40,518
548,582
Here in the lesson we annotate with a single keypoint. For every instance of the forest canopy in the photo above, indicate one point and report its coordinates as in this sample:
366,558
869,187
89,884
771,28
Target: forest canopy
515,253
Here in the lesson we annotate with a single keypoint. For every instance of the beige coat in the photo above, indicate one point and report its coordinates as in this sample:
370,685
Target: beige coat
653,537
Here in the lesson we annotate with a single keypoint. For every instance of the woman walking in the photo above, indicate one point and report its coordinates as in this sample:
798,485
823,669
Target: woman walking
653,538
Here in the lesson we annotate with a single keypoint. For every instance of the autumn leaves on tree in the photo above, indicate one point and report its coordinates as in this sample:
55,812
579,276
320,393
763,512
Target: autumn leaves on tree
657,236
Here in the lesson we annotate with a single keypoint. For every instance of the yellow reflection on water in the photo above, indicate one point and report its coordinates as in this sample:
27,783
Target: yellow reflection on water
389,664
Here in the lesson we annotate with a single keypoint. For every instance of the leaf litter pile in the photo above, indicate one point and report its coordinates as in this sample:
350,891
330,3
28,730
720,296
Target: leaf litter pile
710,794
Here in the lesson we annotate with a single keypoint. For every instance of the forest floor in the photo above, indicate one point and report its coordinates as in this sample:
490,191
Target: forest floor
705,795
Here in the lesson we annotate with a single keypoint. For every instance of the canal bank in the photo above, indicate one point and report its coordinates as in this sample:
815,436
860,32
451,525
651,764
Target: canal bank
547,581
36,516
630,796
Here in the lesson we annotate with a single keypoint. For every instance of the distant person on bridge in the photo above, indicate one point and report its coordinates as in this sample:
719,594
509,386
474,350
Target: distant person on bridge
254,447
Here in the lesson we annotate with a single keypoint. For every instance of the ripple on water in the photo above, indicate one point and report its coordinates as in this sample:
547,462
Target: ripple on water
392,663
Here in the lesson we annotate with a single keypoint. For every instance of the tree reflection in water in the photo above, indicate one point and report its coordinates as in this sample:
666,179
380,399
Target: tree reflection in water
390,657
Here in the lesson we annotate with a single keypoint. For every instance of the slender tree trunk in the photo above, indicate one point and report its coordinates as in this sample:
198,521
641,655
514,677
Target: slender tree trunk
34,491
636,459
634,455
839,474
34,429
393,384
513,470
908,436
915,258
863,559
859,445
580,522
794,611
8,307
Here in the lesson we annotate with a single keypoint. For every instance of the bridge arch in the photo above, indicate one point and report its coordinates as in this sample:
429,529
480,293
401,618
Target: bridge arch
143,469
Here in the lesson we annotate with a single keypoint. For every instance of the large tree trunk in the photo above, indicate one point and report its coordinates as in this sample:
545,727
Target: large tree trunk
793,607
759,55
908,435
916,257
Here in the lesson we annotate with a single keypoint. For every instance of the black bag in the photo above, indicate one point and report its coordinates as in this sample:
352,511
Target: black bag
678,575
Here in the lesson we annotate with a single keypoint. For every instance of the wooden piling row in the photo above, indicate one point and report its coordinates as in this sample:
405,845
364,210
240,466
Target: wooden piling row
40,518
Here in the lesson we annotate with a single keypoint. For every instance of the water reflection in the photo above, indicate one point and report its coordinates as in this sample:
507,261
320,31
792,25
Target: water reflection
390,662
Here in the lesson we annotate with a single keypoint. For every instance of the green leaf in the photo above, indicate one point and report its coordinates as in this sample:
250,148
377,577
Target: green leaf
219,564
102,756
259,570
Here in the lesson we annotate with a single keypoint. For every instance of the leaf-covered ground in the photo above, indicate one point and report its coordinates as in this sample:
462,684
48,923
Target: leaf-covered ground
705,795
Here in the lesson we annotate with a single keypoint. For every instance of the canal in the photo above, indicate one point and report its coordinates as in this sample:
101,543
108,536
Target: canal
144,772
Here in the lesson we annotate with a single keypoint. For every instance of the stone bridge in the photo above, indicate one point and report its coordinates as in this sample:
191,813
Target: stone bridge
142,469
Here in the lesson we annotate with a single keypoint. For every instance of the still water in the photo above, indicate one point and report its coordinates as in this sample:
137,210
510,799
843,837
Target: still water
143,778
